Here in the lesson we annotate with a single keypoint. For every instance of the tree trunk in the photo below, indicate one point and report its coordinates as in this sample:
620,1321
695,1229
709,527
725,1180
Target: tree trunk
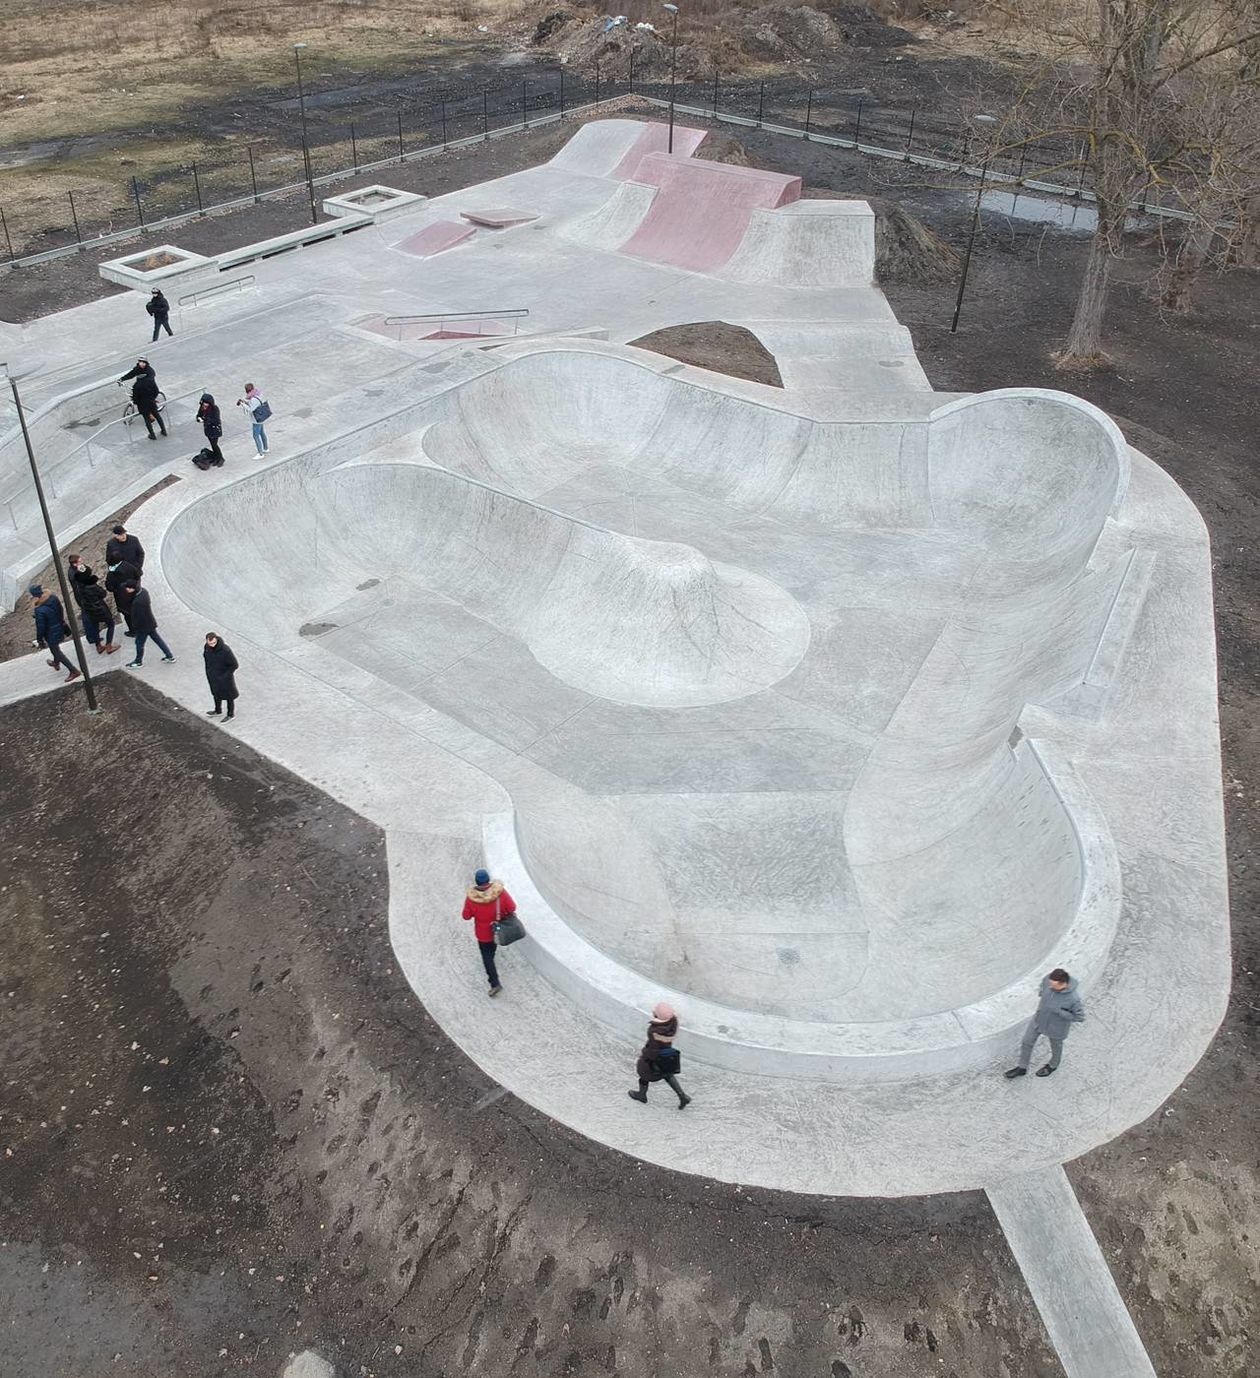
1247,253
1084,342
1192,255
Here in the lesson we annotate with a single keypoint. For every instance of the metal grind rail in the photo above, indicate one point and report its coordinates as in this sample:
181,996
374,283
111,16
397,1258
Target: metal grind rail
515,315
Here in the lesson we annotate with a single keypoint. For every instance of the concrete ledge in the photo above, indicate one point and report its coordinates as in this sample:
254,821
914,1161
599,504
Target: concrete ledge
156,267
377,203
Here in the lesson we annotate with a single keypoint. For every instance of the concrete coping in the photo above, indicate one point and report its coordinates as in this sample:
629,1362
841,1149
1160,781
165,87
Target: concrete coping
753,1042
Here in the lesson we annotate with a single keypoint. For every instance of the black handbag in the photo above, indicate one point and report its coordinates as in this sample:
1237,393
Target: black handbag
508,930
669,1062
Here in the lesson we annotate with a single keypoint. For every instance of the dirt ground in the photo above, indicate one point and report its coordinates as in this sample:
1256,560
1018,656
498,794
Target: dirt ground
381,1194
230,1131
715,345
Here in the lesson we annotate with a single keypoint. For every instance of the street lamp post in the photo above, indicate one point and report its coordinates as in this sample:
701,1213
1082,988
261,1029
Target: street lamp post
306,147
672,11
975,221
66,604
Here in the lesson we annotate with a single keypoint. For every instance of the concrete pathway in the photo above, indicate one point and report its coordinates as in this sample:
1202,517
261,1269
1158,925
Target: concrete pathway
1068,1276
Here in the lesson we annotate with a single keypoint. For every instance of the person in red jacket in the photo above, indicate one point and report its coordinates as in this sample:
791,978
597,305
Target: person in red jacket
486,902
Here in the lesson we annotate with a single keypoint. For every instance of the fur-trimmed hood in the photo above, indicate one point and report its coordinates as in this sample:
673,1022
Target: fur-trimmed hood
487,896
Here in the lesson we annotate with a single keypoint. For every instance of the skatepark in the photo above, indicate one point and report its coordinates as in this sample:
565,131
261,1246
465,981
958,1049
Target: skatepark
836,714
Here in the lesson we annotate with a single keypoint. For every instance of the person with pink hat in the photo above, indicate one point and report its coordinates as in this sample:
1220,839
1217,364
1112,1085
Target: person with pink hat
660,1060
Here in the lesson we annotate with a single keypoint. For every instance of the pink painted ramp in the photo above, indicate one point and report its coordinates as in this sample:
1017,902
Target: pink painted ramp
500,217
701,210
442,234
655,139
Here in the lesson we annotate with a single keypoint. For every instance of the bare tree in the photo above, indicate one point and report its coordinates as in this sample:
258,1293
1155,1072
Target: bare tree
1110,74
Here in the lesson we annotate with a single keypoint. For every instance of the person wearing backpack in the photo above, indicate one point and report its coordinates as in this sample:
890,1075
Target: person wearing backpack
160,309
259,413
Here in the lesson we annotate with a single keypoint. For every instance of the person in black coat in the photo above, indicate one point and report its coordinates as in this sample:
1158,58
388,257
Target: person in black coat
160,309
212,425
121,576
144,393
89,594
221,667
51,629
145,624
659,1061
122,546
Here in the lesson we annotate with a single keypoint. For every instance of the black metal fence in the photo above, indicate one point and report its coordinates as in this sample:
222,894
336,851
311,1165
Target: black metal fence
337,147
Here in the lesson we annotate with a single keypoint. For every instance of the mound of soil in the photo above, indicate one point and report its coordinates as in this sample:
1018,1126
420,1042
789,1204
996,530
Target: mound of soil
722,148
748,38
717,346
906,250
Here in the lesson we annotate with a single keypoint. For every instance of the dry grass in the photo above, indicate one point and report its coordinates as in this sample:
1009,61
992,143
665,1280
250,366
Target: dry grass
68,67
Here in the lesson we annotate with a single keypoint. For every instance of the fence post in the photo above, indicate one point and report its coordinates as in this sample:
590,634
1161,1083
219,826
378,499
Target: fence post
857,131
761,104
78,237
524,105
715,92
809,111
8,243
631,82
562,93
485,114
400,144
966,153
1084,168
914,110
354,147
197,187
253,176
135,191
1023,153
443,100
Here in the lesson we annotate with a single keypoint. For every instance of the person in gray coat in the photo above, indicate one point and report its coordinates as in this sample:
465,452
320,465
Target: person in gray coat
1058,1009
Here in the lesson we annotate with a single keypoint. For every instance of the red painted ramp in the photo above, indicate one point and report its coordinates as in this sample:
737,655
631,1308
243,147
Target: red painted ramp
654,138
701,210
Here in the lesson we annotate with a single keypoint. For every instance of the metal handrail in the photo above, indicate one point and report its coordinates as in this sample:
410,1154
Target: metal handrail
52,472
238,283
515,315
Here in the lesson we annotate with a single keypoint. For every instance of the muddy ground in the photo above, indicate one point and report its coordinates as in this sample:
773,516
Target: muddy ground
364,1170
230,1131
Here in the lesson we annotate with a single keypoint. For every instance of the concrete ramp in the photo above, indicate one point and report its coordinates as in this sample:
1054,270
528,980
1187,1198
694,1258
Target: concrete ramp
436,238
615,148
702,211
807,244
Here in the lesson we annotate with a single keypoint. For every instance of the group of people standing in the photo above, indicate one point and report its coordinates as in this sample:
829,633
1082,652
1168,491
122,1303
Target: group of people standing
147,398
124,566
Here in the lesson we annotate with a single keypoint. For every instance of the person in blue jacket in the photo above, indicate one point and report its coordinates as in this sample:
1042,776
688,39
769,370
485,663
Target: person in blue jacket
51,629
